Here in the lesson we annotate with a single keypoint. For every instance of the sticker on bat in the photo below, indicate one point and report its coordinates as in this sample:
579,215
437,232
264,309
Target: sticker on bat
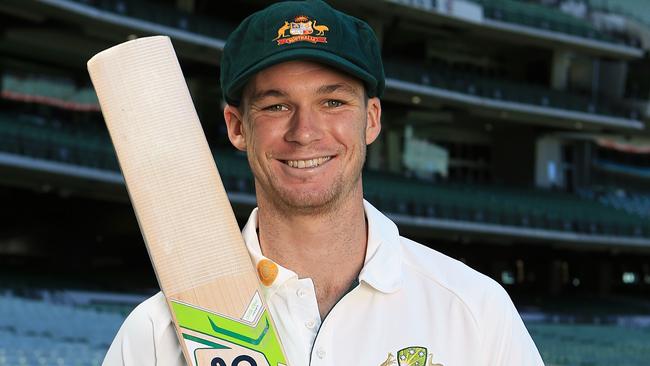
254,310
215,340
231,357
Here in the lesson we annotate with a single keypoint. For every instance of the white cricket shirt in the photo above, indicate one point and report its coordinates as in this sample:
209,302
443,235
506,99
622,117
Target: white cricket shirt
412,306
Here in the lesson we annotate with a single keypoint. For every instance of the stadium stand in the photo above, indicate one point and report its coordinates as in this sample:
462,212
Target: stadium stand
501,206
441,75
542,17
628,201
394,193
44,333
595,345
510,170
36,137
634,9
165,15
58,92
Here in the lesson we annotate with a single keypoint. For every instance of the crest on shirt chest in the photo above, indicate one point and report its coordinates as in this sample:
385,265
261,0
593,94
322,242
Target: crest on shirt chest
410,356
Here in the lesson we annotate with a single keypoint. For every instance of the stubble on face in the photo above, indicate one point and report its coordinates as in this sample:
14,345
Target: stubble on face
312,202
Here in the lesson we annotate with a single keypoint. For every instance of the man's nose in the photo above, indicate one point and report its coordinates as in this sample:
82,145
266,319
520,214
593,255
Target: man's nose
305,127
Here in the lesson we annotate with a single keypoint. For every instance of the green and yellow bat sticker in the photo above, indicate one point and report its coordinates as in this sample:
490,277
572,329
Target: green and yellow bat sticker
214,340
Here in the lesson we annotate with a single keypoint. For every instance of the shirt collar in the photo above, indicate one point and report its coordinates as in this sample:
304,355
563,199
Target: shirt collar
255,250
382,268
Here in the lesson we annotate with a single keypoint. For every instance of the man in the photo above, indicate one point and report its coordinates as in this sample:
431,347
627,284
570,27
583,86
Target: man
302,82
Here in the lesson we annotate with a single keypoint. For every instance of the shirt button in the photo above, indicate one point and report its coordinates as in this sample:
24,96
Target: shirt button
320,353
301,292
310,324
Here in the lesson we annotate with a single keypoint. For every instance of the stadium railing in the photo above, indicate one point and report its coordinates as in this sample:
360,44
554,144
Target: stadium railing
620,168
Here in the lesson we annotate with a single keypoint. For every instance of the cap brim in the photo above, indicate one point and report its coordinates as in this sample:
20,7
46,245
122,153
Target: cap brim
233,96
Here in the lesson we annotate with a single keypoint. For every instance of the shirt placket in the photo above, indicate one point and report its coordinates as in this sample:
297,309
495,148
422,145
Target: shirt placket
322,353
300,297
303,309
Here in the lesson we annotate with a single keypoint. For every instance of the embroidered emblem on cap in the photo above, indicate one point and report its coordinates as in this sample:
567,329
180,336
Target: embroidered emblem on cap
267,271
301,29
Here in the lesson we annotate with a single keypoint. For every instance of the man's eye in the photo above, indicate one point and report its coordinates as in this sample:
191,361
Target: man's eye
276,108
334,103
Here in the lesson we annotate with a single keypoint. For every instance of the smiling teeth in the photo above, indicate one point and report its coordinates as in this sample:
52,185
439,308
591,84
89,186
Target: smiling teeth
311,163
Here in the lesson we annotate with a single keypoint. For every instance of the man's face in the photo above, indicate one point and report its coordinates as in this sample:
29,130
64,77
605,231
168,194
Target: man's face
305,128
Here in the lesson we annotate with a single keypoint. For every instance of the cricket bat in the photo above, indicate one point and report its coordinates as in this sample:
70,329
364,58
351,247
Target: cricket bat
188,226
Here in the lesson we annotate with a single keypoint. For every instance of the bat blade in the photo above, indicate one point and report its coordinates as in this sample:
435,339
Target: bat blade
188,226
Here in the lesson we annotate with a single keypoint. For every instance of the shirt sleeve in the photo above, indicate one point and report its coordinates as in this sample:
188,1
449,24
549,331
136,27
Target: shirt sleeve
506,340
147,338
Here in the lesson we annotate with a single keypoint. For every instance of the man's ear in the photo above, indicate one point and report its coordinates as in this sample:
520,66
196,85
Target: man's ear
235,125
373,120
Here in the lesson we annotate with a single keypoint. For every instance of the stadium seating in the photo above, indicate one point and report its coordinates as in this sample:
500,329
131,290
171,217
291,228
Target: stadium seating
33,137
43,89
88,146
542,17
234,171
635,9
502,206
519,12
502,62
163,15
630,202
526,208
593,345
21,350
38,138
473,82
59,322
463,81
36,332
42,333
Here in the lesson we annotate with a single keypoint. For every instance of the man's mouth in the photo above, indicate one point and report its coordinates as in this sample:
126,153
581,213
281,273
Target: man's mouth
309,163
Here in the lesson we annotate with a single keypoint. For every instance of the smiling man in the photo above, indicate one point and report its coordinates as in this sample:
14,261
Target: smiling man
305,127
302,83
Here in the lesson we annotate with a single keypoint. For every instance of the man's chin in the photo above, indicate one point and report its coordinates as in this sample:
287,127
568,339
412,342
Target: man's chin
307,202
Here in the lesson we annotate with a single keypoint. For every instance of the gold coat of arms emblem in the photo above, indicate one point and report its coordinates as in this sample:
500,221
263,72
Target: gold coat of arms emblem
301,29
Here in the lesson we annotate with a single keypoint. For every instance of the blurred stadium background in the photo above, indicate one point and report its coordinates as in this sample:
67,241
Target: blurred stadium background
515,139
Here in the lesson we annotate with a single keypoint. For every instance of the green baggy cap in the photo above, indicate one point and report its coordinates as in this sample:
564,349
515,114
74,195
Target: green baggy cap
300,30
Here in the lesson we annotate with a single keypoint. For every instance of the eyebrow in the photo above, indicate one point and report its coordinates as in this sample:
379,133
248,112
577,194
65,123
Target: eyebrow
326,89
266,93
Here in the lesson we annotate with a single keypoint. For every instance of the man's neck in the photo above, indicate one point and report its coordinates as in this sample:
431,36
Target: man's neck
328,247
